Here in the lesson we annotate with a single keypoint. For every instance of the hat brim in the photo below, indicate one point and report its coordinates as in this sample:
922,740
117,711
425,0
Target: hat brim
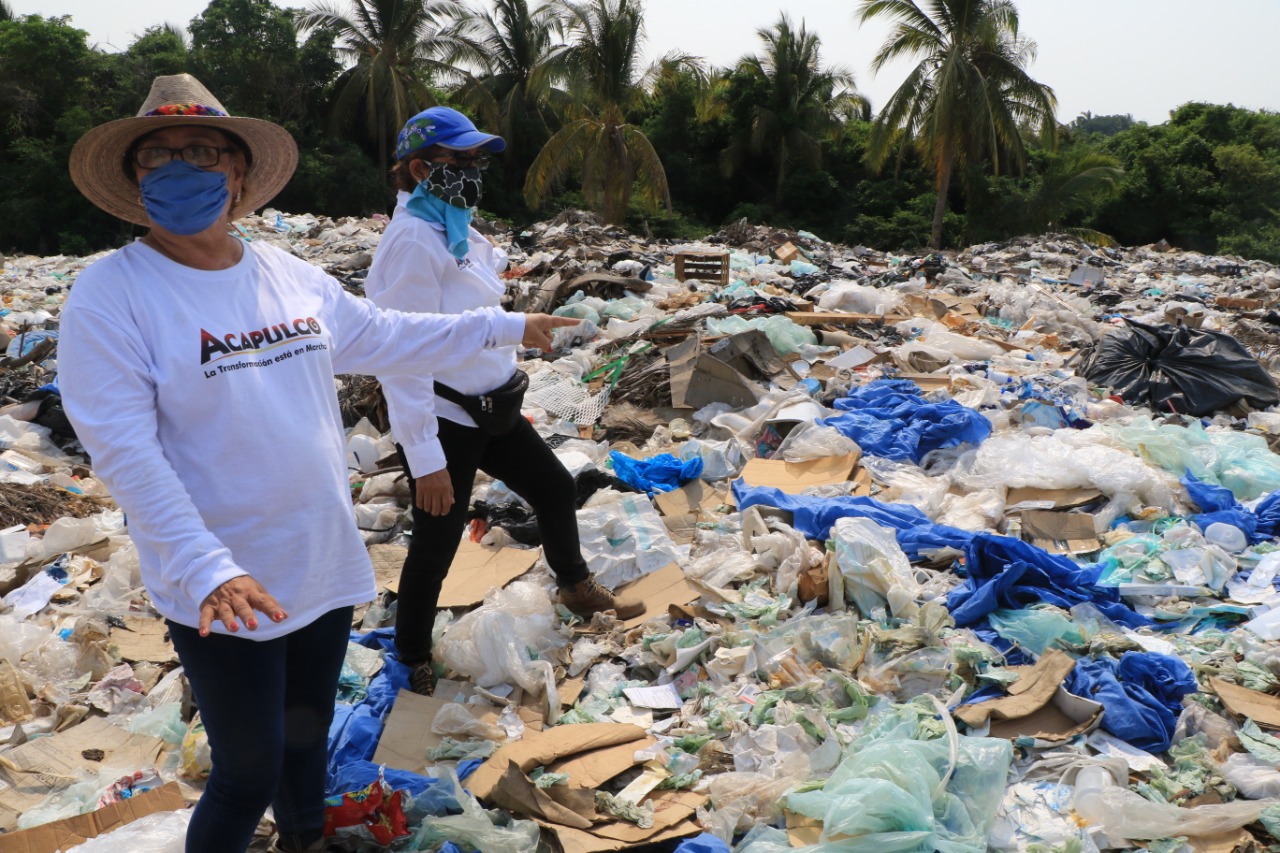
97,162
475,139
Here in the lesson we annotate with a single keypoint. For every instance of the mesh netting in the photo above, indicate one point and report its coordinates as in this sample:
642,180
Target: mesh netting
566,397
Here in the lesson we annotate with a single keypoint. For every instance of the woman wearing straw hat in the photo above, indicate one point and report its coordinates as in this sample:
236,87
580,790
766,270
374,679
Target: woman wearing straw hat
431,259
198,371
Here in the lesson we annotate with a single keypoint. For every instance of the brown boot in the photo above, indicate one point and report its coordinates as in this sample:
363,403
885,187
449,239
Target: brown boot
587,597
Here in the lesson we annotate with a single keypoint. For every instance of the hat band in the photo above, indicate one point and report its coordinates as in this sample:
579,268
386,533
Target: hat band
185,110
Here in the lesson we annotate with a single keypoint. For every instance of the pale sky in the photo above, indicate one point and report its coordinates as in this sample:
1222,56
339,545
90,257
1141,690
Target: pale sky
1142,57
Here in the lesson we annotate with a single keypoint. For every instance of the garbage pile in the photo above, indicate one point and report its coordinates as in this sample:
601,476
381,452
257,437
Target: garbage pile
960,553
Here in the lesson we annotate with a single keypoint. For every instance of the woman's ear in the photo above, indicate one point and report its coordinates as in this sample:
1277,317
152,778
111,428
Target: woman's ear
419,170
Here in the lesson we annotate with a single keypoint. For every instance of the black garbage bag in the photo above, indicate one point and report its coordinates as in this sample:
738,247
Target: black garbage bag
1179,369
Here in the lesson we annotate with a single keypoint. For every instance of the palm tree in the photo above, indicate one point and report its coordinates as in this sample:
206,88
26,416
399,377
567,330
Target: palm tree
963,103
804,101
395,47
516,45
602,64
1072,181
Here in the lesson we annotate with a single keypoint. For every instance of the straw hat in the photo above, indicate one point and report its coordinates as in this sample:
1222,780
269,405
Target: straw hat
98,159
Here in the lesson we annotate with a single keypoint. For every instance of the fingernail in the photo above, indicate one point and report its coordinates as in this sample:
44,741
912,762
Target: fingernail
278,615
252,626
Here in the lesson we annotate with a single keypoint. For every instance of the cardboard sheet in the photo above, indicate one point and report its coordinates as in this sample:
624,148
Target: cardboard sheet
596,766
579,841
792,477
658,590
407,735
143,639
1060,532
1038,705
477,569
699,379
47,765
69,833
1050,498
543,748
1262,708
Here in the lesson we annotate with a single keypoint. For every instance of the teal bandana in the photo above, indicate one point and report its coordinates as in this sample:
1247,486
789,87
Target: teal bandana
429,207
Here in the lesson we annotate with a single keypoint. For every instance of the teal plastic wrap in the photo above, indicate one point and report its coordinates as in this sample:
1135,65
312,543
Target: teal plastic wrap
1036,629
1239,461
892,793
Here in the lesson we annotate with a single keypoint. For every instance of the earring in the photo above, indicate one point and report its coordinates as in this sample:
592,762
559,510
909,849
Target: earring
239,193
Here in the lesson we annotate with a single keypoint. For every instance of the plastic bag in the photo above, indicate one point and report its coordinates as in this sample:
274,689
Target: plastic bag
196,760
625,539
1179,369
162,832
505,641
164,722
1124,815
873,572
661,473
1252,777
454,720
859,299
1239,461
811,441
894,794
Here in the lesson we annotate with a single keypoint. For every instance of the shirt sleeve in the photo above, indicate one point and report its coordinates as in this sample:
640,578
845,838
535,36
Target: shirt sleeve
368,339
406,281
109,395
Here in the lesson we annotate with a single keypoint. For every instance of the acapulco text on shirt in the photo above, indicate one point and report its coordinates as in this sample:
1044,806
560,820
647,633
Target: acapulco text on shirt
214,348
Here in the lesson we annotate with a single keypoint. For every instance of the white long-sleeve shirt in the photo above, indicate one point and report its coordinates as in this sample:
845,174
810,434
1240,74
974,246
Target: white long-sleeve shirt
414,271
206,400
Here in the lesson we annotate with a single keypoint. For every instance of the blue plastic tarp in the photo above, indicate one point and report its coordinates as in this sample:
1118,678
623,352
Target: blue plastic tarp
1007,573
661,473
1218,504
891,418
704,843
814,517
1141,695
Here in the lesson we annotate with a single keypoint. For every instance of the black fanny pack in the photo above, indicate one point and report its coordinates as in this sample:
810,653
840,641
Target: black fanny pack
496,411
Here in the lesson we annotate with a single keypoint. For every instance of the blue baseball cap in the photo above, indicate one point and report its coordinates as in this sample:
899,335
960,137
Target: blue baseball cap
444,127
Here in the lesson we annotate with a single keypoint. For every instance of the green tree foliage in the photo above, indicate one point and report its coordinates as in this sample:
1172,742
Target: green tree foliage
394,47
1208,180
969,94
801,104
565,82
613,156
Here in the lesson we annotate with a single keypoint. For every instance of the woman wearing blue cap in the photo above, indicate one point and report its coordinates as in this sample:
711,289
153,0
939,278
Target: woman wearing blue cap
458,420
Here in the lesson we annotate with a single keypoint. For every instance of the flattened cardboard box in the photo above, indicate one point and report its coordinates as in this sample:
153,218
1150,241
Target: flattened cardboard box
659,590
475,570
797,476
1038,706
143,639
1060,532
47,765
407,736
73,831
1262,708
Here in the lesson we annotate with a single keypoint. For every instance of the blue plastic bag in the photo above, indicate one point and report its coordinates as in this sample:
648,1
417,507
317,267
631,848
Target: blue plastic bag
661,473
1141,694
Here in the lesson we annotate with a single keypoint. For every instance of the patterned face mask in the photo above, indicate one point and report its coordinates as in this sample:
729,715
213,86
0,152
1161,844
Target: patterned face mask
455,186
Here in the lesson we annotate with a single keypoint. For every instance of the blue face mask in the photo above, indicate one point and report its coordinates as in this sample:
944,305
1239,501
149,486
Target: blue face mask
184,199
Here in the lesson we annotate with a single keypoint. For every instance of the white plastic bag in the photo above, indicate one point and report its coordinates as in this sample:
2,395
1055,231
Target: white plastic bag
506,640
1125,815
874,572
625,539
162,832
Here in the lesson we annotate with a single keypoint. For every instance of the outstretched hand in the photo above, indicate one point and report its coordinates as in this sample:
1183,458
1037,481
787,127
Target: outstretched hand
238,598
538,329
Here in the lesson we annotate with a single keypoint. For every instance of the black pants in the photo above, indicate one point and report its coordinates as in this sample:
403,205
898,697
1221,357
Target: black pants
266,708
522,460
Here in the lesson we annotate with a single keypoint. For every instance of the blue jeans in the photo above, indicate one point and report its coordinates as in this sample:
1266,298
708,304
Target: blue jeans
266,707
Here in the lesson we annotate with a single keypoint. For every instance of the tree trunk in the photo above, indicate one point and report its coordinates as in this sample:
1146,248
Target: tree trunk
940,206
